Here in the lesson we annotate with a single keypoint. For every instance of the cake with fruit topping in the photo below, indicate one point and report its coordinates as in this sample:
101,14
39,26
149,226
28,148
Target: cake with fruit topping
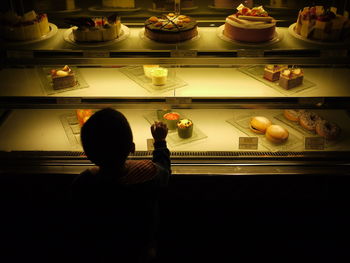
97,29
272,72
291,78
169,5
30,26
250,25
171,28
63,78
83,115
171,119
119,3
322,24
185,128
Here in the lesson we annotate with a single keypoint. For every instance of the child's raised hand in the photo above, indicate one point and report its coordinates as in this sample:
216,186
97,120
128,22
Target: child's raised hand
159,131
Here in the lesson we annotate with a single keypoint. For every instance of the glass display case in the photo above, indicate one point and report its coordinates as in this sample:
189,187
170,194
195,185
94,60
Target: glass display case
218,83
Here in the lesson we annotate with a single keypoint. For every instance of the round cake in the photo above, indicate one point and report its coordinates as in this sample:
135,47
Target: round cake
97,29
250,25
171,28
322,24
229,4
169,5
30,26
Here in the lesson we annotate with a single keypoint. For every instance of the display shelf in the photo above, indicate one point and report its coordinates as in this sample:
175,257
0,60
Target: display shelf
207,82
42,130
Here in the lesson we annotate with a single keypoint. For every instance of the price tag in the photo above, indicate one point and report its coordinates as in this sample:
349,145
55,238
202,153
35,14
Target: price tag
150,146
250,53
68,100
20,54
331,53
178,101
248,143
314,143
96,54
184,53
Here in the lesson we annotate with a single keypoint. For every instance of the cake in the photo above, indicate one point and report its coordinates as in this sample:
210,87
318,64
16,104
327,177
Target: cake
229,4
272,72
250,25
291,78
83,116
63,78
160,114
322,24
147,69
54,5
185,128
95,29
171,119
159,76
119,3
169,5
30,26
171,28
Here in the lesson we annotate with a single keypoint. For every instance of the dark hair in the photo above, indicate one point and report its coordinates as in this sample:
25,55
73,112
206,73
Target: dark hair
107,138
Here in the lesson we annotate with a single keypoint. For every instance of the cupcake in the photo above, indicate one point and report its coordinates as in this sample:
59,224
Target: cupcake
185,128
159,76
171,119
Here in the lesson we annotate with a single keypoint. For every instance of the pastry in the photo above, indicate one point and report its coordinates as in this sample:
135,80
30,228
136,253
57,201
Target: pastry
328,130
171,28
96,29
308,120
230,4
322,24
250,25
147,69
118,3
159,76
272,72
291,78
63,78
276,134
259,124
171,119
30,26
185,128
293,115
83,116
169,5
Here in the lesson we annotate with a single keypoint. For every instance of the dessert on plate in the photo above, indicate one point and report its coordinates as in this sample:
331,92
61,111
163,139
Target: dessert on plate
291,78
229,4
169,5
119,3
250,25
272,72
63,78
171,28
159,76
83,116
30,26
147,69
171,119
185,128
97,29
276,134
318,23
259,124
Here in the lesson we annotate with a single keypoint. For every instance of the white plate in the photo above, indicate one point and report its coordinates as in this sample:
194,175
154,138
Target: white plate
111,9
53,32
150,41
277,38
322,43
168,11
68,36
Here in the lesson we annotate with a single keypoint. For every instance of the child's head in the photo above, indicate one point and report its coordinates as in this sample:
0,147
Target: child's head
107,138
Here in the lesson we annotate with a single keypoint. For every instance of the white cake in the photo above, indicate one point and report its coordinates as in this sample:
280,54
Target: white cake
118,3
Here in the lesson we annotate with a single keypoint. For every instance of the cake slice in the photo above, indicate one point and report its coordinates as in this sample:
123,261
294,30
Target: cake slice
272,72
291,78
63,78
